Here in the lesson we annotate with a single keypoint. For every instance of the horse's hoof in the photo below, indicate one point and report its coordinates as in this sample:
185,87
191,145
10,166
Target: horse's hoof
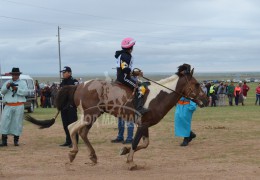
72,156
124,151
132,166
93,158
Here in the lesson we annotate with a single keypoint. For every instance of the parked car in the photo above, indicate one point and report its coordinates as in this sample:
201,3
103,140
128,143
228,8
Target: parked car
247,80
30,99
252,79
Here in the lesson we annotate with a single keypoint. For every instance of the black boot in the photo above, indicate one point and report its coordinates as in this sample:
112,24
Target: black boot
139,103
192,135
16,140
4,140
185,142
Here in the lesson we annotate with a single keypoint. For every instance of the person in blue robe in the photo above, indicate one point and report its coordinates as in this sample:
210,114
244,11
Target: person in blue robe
14,92
182,120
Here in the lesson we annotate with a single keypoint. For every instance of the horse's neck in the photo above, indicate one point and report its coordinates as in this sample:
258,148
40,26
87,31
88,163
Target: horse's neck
156,90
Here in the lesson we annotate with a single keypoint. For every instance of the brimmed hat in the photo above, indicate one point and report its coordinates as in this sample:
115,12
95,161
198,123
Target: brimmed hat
66,69
15,71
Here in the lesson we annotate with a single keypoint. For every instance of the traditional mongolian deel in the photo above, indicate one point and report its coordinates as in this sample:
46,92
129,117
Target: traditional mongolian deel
12,117
183,117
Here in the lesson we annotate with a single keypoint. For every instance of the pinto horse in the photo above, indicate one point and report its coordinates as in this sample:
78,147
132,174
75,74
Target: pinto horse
96,97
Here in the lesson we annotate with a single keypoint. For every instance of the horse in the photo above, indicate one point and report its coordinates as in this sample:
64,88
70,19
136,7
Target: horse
96,97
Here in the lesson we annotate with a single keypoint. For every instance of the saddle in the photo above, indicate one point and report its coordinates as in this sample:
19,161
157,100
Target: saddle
145,84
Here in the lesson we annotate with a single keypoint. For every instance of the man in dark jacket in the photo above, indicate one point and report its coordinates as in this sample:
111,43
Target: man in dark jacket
68,114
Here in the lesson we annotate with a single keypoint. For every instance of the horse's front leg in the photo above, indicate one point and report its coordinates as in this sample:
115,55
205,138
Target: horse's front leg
125,150
73,129
141,131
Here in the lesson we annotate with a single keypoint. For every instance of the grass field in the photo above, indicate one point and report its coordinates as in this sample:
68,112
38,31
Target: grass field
227,147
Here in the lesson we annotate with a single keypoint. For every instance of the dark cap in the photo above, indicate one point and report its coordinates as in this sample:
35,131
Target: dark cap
66,69
15,71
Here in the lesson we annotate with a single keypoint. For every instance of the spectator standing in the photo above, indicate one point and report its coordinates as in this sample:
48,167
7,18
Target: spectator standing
238,93
37,92
230,93
245,88
54,91
68,114
14,92
241,98
43,92
204,88
121,129
257,93
208,85
182,120
212,93
221,94
47,103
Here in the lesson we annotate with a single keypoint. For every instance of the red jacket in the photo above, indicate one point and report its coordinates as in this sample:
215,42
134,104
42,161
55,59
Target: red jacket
245,89
257,90
237,90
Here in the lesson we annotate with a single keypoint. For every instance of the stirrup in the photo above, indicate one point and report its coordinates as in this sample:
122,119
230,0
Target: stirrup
143,111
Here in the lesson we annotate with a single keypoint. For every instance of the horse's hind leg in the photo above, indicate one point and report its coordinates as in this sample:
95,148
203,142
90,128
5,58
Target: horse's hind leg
83,132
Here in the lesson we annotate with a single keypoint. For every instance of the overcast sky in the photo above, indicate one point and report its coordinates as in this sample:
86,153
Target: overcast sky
211,35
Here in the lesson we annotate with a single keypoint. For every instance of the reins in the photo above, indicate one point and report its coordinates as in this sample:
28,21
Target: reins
166,88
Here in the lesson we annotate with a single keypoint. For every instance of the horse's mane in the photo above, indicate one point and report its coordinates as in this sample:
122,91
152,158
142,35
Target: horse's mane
168,79
65,97
184,67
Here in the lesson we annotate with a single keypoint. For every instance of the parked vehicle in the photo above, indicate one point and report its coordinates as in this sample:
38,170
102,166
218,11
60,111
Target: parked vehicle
30,99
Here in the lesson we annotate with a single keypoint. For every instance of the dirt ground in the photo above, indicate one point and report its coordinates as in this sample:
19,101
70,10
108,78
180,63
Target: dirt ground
225,151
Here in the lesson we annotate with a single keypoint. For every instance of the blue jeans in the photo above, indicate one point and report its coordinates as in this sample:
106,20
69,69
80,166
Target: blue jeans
121,129
257,99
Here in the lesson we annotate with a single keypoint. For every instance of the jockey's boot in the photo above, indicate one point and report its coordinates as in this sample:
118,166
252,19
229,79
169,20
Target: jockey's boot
16,140
139,104
4,140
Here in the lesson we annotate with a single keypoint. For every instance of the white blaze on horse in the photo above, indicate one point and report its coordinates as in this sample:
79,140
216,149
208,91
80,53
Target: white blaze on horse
96,97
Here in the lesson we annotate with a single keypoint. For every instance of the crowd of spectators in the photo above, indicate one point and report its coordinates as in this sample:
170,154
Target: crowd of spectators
218,93
46,95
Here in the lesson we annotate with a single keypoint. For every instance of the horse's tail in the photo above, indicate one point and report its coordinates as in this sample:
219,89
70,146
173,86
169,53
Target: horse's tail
64,99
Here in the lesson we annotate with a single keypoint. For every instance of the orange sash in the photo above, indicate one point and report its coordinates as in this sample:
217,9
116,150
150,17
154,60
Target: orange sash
15,104
183,102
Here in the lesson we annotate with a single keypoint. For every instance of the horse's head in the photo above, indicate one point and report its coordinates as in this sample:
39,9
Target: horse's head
189,87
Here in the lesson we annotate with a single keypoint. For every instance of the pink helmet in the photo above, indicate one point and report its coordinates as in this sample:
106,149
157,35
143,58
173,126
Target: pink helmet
127,42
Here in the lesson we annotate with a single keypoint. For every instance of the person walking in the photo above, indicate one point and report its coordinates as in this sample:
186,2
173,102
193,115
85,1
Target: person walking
69,113
14,92
121,130
257,93
182,120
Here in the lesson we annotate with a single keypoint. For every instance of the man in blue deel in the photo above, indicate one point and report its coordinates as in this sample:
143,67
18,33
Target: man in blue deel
182,120
14,92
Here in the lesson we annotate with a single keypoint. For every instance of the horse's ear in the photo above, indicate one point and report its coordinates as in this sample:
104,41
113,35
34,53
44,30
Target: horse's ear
192,71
